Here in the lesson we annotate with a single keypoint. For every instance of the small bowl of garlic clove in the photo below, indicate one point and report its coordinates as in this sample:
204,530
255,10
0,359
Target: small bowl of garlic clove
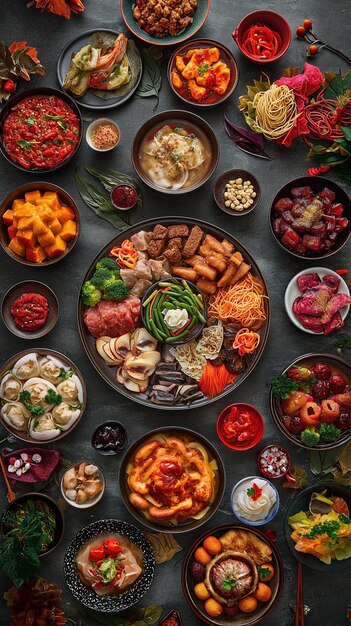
83,485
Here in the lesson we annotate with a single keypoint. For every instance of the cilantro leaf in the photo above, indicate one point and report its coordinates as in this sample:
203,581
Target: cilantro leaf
25,398
53,398
229,583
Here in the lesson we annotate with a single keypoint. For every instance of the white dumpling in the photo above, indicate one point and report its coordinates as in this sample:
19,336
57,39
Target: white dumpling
51,368
10,388
64,416
38,388
71,390
16,415
27,366
43,427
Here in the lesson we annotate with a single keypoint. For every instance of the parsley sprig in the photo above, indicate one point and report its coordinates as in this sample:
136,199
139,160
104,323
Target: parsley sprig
229,583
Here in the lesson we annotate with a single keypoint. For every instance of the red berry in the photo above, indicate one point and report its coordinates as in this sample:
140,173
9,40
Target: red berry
321,371
307,24
9,86
312,51
337,383
300,32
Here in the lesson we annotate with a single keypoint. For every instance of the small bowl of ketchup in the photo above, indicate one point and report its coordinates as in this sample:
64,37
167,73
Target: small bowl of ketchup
30,309
240,426
124,197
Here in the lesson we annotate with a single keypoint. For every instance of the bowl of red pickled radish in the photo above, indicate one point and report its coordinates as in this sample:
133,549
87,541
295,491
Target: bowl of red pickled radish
240,426
263,36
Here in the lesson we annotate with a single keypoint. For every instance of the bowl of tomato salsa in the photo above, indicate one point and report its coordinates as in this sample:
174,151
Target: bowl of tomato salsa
40,130
240,426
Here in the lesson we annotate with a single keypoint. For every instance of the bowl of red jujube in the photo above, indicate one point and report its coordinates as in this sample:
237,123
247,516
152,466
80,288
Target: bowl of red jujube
310,217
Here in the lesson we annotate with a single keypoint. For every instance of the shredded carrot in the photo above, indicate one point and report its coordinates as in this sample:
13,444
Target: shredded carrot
246,341
242,302
214,379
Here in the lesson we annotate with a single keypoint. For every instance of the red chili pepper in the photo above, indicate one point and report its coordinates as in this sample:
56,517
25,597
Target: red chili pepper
342,272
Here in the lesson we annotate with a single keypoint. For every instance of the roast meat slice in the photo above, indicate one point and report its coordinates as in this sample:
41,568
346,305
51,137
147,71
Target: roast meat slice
335,323
310,322
333,282
314,301
337,302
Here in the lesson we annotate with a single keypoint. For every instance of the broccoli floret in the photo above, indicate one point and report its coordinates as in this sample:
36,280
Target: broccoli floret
103,278
90,294
116,291
329,432
310,437
283,386
109,264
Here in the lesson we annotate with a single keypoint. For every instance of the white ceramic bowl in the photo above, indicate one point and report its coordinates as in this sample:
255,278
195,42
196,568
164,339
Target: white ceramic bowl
272,512
88,503
292,292
91,128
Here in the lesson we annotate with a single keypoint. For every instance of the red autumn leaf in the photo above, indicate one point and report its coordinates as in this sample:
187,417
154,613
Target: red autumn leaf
271,535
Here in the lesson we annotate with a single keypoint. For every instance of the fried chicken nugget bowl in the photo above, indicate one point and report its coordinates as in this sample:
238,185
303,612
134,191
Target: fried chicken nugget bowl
241,547
164,463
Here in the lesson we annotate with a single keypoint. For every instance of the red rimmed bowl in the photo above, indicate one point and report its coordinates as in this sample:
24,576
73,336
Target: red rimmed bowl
252,442
242,619
274,21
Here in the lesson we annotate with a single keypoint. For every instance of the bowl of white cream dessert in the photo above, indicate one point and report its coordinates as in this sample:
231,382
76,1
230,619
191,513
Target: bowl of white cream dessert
254,501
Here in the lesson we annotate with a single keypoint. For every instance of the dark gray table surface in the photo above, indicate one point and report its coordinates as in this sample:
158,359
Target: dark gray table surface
327,595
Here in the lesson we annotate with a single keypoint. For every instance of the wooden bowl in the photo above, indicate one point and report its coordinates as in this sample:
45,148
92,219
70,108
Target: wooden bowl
25,287
19,193
219,189
183,118
273,20
225,55
21,434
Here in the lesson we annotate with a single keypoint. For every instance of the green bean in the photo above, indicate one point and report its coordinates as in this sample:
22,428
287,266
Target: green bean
159,334
149,298
199,298
167,284
168,305
147,316
161,322
201,317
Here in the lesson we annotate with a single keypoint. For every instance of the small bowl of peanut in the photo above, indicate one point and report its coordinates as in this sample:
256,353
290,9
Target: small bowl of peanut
237,192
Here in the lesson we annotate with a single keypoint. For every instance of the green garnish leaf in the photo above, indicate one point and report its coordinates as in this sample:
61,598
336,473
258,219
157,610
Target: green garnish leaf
264,572
64,374
344,519
30,121
54,117
58,142
100,203
151,79
25,145
53,398
229,583
64,126
250,492
34,410
283,386
202,68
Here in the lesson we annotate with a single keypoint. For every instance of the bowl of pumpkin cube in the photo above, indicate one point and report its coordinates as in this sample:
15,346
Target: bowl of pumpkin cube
39,224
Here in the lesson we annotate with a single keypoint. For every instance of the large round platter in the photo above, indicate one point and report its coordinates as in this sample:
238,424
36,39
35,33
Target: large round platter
87,596
242,619
89,100
275,402
108,373
23,435
300,503
190,523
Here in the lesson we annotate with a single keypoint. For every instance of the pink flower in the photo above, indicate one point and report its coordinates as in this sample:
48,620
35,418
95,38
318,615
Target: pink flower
303,85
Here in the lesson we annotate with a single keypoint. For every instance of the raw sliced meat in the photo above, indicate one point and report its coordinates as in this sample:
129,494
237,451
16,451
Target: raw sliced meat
307,281
93,321
333,282
113,319
335,323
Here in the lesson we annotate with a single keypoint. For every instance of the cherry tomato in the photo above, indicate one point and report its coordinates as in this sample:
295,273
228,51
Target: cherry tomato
300,32
112,547
307,24
98,553
312,50
9,86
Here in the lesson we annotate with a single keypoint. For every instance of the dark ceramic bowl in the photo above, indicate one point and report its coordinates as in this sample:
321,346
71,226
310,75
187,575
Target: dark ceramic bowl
40,497
199,18
276,403
237,446
242,619
15,292
225,55
86,595
166,527
173,614
28,93
21,434
109,451
273,20
316,183
300,503
195,331
179,117
219,189
19,193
